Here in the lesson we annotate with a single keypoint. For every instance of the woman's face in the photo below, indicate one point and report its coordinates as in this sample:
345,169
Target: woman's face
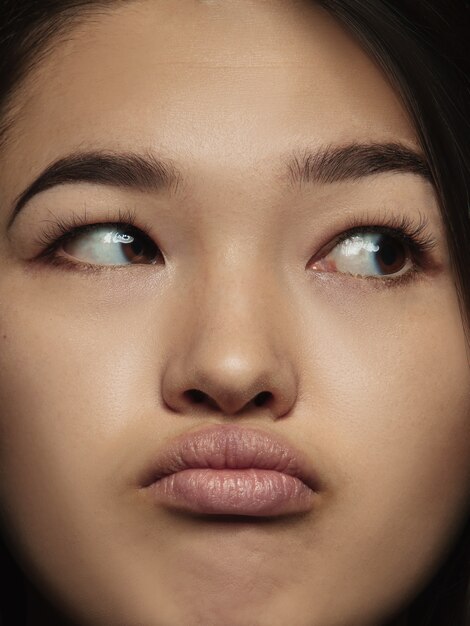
250,293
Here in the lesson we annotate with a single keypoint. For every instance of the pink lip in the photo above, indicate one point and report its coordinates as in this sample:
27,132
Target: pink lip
229,469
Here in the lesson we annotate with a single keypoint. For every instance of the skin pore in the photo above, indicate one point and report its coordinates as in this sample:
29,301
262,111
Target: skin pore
368,378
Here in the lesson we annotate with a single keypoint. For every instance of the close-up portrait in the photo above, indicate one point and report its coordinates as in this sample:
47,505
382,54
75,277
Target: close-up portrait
234,313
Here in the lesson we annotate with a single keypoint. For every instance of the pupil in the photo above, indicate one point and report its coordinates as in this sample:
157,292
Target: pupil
390,258
136,247
133,250
140,250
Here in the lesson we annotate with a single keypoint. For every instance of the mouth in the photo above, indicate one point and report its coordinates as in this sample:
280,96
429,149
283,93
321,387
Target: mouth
232,470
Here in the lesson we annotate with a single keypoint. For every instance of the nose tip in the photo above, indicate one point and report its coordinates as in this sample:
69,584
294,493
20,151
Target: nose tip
244,386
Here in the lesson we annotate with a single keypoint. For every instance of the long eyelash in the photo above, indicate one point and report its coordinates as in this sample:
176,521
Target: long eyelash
415,236
64,228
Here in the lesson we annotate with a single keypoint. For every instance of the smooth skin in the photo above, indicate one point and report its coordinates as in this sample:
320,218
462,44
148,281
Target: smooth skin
370,380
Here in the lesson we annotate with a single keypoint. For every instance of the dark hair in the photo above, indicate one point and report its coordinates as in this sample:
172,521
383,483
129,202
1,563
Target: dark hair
416,42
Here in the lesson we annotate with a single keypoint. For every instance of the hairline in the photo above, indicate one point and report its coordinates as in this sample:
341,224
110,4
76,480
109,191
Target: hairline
45,43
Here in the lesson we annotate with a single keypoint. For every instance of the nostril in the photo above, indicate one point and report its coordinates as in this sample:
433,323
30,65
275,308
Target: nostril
195,395
261,398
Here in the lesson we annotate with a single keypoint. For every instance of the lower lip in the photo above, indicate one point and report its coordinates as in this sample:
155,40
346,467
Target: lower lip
249,491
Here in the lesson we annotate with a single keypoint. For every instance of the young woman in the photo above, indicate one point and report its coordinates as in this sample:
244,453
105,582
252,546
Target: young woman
234,373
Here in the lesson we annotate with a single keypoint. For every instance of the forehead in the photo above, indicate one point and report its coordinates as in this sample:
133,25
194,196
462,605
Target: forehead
224,81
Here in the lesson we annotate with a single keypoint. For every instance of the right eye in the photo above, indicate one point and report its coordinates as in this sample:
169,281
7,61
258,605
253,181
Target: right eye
102,244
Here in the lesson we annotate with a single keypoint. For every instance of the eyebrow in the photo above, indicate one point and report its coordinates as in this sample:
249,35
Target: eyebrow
149,172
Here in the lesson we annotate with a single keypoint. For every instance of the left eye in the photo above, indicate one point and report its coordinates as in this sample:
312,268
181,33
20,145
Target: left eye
368,254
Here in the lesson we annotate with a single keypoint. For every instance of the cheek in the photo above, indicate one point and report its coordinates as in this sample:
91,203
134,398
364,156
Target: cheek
392,422
396,393
72,401
68,387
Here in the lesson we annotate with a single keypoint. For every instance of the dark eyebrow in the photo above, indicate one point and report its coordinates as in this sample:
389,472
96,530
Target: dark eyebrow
331,164
147,172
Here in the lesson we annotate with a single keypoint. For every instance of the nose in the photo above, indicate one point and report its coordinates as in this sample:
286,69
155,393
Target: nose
230,353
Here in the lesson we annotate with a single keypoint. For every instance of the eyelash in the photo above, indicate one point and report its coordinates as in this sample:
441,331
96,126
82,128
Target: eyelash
414,236
66,228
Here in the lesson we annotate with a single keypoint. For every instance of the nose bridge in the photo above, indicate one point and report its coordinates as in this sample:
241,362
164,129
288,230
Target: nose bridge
237,300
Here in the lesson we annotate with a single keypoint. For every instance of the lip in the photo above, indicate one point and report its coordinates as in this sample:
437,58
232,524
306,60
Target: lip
229,469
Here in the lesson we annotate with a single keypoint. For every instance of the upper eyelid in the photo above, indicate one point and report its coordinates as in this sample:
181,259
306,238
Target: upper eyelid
132,225
394,224
360,221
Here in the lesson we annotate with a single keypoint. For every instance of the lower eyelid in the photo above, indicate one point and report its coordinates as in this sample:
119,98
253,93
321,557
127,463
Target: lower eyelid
413,276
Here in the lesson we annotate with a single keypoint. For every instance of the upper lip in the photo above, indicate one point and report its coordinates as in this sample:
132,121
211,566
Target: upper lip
231,446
